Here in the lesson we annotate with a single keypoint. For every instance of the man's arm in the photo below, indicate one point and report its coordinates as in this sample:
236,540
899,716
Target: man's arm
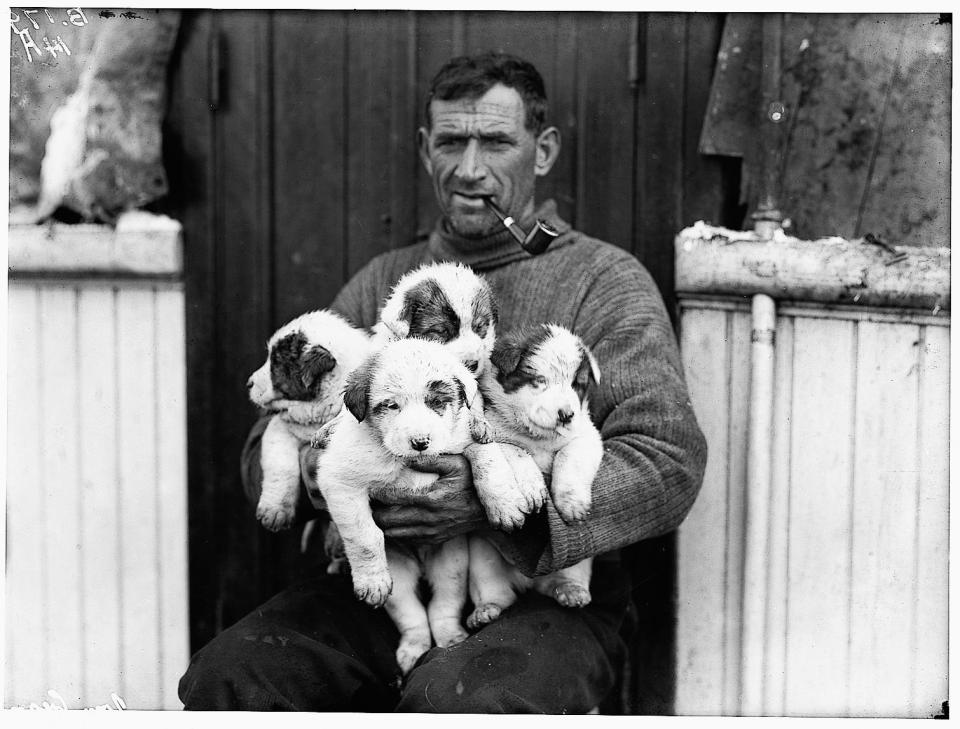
654,451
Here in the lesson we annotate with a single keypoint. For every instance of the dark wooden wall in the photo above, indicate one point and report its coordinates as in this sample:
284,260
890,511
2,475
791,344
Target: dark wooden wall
290,145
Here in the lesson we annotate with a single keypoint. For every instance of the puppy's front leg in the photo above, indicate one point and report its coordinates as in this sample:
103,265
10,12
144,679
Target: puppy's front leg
506,496
574,468
349,507
280,463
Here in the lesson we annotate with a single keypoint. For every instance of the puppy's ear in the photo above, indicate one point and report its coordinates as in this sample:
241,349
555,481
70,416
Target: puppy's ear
397,315
356,391
594,365
506,354
315,362
480,429
588,370
466,390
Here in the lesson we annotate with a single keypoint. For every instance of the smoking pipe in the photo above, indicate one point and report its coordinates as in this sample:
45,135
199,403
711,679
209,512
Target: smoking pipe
536,241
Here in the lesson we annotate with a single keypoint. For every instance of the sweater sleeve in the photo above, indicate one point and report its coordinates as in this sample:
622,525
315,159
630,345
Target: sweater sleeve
654,451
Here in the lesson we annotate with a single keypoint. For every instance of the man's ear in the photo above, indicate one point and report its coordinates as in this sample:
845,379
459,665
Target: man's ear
356,391
548,149
315,362
423,144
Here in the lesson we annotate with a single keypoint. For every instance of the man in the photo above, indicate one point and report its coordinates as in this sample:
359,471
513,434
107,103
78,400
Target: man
316,647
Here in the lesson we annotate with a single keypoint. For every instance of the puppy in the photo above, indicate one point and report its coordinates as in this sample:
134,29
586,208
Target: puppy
446,303
409,401
301,381
535,395
450,304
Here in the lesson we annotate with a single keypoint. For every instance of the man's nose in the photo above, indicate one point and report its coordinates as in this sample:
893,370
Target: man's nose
565,415
250,384
471,166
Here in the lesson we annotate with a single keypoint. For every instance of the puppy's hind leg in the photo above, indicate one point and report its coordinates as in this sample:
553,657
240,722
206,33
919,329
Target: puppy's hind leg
446,570
405,609
570,586
491,587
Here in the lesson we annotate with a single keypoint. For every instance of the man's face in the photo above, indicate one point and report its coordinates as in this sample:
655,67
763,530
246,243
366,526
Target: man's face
480,147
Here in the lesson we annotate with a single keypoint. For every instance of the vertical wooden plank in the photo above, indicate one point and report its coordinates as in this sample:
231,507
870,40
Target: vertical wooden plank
190,159
25,677
171,566
62,637
703,194
244,280
775,658
561,184
100,520
660,147
605,119
439,38
821,468
381,130
701,539
739,334
931,622
310,143
884,508
138,538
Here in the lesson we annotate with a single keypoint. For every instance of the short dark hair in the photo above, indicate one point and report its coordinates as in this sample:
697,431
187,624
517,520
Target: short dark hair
471,77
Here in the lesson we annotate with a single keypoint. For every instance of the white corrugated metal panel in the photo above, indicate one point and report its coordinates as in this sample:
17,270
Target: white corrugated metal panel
97,530
855,596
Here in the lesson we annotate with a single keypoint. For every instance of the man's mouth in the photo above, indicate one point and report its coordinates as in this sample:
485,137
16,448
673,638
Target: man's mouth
472,199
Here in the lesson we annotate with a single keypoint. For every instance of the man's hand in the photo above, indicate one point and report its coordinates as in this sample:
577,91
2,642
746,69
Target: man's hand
449,508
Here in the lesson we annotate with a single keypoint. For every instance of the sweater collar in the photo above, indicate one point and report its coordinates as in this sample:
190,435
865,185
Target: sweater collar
498,248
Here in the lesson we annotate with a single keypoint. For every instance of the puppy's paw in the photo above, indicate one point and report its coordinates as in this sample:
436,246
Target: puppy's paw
571,594
480,430
409,652
484,615
528,479
321,438
276,515
572,507
507,515
372,586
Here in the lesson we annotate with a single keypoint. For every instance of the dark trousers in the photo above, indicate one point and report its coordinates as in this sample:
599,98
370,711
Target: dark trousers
315,647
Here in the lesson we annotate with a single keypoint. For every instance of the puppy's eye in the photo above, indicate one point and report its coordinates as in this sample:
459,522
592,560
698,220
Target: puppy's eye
392,406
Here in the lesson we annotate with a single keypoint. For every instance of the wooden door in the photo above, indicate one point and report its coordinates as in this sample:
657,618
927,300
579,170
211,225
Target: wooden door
290,145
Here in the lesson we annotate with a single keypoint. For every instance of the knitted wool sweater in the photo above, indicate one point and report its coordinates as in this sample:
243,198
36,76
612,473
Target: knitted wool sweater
654,452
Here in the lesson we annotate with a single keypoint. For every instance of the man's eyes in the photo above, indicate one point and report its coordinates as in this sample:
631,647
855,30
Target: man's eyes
494,143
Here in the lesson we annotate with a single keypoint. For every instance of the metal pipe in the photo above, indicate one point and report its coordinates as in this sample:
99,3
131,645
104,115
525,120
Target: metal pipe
767,219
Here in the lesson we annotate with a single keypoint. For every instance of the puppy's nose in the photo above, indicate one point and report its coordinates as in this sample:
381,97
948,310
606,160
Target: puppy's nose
419,444
472,365
565,415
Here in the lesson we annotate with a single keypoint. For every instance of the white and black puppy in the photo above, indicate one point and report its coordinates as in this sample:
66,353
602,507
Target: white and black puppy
409,401
536,398
450,304
447,303
301,381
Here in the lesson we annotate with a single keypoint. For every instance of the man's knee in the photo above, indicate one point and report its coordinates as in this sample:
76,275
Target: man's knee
490,681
